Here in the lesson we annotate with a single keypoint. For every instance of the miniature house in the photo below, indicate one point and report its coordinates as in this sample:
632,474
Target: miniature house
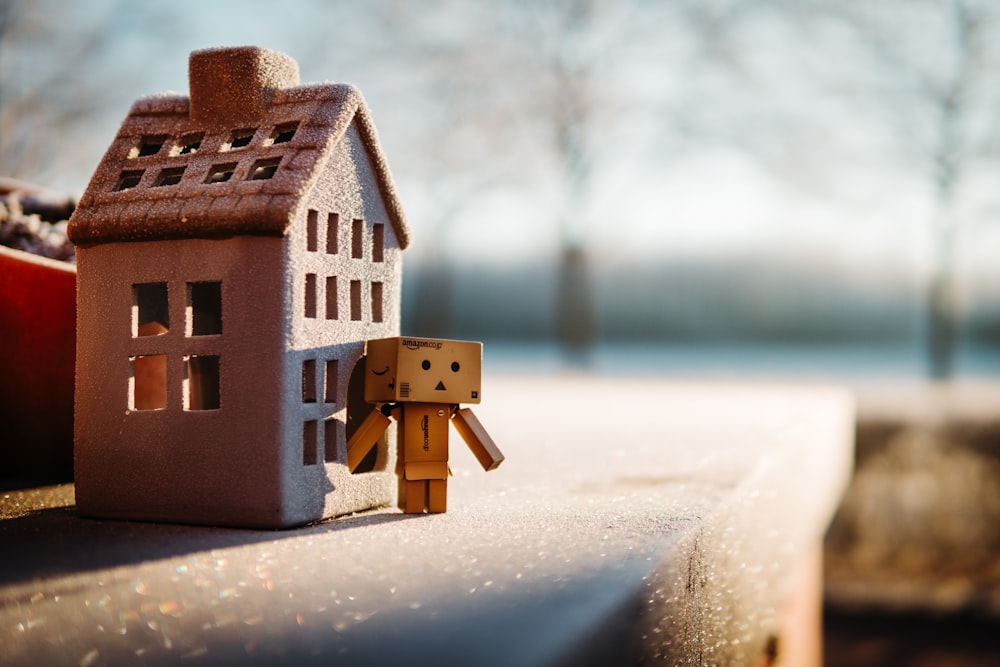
235,249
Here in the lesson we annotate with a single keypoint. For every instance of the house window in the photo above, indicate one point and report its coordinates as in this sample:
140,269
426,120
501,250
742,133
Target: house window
378,242
357,239
310,310
188,145
309,381
331,429
263,170
150,317
150,314
330,378
204,308
376,302
284,133
171,176
332,224
312,233
201,379
331,297
220,173
128,180
355,300
149,145
148,382
239,139
309,444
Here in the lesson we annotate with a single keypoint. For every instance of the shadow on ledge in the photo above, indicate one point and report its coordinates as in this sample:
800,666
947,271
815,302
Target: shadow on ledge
56,541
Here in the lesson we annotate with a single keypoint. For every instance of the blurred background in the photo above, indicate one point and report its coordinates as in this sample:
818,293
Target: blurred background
804,173
782,189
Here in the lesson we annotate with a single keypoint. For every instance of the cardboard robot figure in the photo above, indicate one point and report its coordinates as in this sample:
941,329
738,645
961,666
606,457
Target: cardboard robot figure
420,382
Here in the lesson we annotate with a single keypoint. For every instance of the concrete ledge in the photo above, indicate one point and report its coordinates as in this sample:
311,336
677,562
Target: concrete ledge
632,520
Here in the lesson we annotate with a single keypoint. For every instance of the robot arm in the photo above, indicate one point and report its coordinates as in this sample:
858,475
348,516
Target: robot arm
371,429
478,440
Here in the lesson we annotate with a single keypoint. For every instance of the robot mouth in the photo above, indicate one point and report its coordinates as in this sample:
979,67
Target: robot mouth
440,387
375,372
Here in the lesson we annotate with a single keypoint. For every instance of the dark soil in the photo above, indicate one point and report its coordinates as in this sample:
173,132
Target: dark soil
910,640
36,223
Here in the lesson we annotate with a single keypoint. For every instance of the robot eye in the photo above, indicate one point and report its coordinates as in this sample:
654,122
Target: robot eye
454,367
426,365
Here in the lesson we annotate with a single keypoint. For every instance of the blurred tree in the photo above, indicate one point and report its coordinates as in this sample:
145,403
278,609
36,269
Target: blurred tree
902,86
449,134
46,96
527,97
943,77
567,47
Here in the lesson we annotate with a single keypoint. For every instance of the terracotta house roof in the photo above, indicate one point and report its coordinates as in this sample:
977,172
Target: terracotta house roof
235,158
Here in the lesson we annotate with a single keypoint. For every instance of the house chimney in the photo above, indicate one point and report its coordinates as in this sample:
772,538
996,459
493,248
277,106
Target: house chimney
231,85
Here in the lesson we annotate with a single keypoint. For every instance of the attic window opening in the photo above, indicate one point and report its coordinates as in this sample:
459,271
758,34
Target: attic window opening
309,381
150,314
312,231
331,428
378,242
355,300
150,145
239,139
331,378
357,239
310,442
171,176
332,224
331,297
148,382
204,308
310,305
129,180
201,382
376,297
188,145
264,169
220,173
284,133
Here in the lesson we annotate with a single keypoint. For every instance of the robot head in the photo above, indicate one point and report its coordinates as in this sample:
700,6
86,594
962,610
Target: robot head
423,370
